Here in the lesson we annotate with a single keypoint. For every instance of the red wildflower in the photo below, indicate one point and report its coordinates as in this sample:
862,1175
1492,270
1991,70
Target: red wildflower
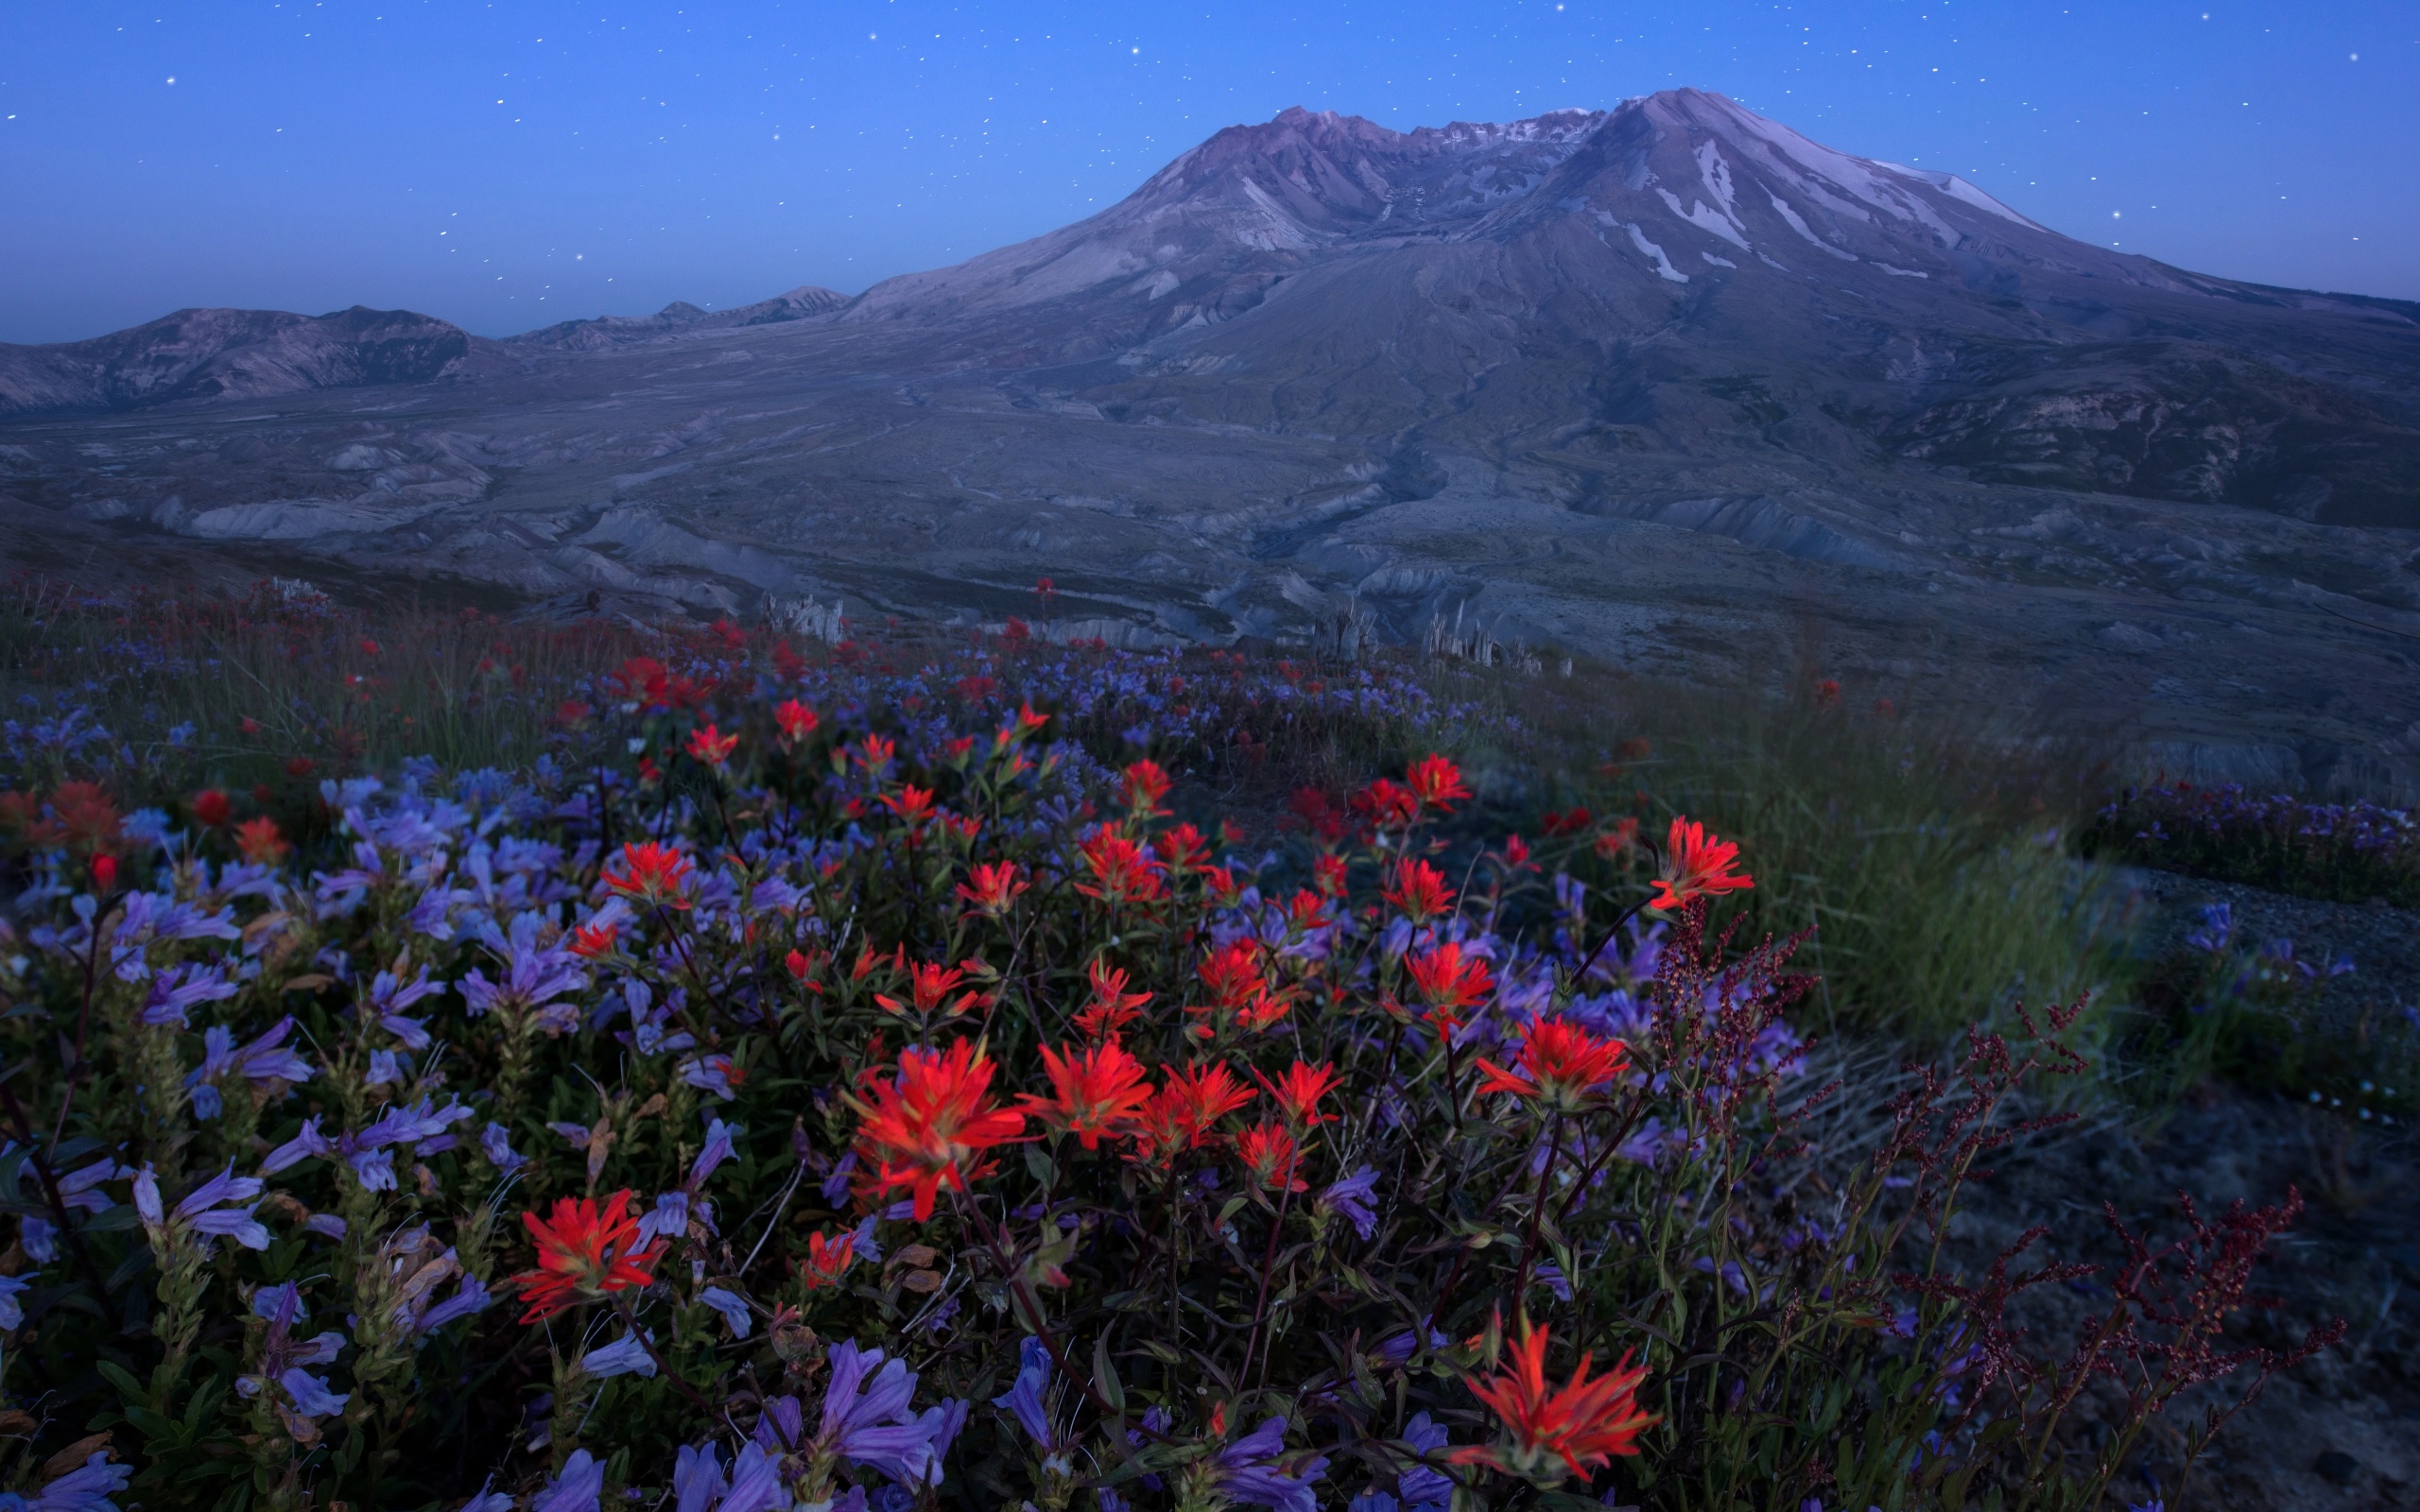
260,842
1307,910
1238,989
1624,834
1270,1155
1550,1432
931,983
104,873
1181,850
1141,786
1121,872
1094,1091
1111,1007
799,965
1696,864
212,808
711,745
592,941
1419,889
571,712
992,886
913,805
1387,804
1327,875
585,1253
1827,693
1559,1064
1185,1107
83,817
825,1260
928,1124
795,720
1436,782
1298,1090
1449,979
1571,822
649,873
873,752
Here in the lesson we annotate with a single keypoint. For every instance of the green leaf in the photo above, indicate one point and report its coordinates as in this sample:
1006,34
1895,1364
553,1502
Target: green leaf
1105,1376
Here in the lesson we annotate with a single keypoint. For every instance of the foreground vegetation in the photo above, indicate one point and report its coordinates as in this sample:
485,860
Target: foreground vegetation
451,1059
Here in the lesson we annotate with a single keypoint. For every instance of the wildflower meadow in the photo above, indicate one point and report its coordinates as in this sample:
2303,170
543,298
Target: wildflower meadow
707,1069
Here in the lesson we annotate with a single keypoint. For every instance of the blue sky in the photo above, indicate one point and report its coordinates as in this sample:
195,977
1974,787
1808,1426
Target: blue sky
506,166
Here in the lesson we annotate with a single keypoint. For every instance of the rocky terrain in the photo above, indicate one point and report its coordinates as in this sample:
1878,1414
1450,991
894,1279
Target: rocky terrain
1667,385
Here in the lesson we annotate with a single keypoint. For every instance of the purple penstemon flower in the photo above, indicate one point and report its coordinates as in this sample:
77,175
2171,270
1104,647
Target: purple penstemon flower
577,1489
180,987
867,1418
1349,1199
533,975
1248,1472
626,1355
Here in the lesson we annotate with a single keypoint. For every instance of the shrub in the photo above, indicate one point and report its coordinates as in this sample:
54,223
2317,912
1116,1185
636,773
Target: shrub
808,1085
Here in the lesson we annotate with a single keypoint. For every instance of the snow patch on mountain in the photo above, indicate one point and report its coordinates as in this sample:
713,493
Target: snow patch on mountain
1798,224
1703,216
1664,268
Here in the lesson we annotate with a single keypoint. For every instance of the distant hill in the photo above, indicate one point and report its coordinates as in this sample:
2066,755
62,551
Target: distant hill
232,354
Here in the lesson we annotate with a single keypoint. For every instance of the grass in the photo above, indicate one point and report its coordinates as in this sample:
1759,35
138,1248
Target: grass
1926,850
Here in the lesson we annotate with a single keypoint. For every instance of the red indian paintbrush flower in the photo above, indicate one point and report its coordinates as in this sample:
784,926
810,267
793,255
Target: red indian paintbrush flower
795,720
1141,786
584,1252
1419,889
930,985
711,745
1297,1092
913,805
1551,1433
1186,1107
1446,978
211,808
259,841
590,941
1270,1155
992,886
825,1260
1112,1008
1559,1065
1696,864
649,873
1095,1092
1121,872
929,1123
1436,782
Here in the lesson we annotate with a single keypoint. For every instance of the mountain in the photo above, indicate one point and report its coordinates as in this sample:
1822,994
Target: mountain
801,304
232,354
1667,384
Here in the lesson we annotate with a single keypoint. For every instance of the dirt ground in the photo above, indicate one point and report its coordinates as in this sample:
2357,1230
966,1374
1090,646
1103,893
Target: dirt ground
2342,1430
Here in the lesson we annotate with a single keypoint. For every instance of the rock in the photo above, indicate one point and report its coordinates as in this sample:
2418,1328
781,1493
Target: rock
2337,1467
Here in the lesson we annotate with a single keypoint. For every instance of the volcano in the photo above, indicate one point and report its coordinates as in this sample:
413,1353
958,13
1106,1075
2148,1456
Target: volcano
1668,383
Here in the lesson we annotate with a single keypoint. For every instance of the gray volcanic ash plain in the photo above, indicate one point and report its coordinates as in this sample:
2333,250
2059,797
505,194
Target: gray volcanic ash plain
1668,385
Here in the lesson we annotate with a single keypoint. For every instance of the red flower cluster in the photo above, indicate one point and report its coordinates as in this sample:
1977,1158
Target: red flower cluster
926,1126
1696,864
649,873
585,1253
1551,1433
